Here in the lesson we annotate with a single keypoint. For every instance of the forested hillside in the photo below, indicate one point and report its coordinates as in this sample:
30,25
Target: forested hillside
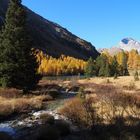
53,39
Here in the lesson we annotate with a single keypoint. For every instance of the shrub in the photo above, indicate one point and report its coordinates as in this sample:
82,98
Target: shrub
117,106
5,110
79,111
131,86
73,110
10,93
24,104
81,93
115,76
106,81
44,98
47,118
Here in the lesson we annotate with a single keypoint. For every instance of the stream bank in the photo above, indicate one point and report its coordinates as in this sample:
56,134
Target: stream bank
22,126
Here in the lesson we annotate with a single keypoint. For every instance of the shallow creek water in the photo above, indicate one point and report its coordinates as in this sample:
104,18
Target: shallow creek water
18,126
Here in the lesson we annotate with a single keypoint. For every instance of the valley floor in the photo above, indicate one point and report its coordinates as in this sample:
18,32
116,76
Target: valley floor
110,99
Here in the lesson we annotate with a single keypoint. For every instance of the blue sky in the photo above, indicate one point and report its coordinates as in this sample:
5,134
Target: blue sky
102,22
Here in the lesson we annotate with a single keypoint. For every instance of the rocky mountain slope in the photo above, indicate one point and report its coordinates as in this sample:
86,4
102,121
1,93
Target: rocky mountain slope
52,38
112,51
126,44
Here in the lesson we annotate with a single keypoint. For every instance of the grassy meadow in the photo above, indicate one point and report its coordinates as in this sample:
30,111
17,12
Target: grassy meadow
13,101
109,107
102,107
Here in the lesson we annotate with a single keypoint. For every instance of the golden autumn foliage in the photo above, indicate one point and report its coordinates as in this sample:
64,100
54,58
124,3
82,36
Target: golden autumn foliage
106,53
64,65
133,59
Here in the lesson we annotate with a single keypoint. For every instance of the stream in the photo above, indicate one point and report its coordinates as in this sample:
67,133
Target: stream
19,127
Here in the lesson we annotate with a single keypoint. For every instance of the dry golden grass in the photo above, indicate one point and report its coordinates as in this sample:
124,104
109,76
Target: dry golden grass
111,98
76,110
10,93
19,105
12,101
121,82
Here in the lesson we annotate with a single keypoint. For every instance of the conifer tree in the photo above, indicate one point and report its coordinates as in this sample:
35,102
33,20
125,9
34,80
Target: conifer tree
107,71
136,76
90,68
103,66
114,67
124,64
18,66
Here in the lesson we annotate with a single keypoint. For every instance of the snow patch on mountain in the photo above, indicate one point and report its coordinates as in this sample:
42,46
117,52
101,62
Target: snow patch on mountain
128,44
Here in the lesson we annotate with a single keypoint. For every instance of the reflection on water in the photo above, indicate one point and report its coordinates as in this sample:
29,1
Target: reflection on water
5,127
64,78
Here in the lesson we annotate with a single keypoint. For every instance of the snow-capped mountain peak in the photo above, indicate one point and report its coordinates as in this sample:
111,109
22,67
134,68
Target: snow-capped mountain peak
128,44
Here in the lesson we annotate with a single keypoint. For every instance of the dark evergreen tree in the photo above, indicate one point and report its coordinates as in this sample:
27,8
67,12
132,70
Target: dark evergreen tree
102,71
107,71
103,66
114,67
136,76
90,69
115,76
124,65
18,66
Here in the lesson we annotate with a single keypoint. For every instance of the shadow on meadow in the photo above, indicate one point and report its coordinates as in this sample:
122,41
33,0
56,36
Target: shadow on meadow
61,131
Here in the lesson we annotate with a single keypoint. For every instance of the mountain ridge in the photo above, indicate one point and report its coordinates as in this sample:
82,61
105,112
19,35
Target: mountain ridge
53,39
126,44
